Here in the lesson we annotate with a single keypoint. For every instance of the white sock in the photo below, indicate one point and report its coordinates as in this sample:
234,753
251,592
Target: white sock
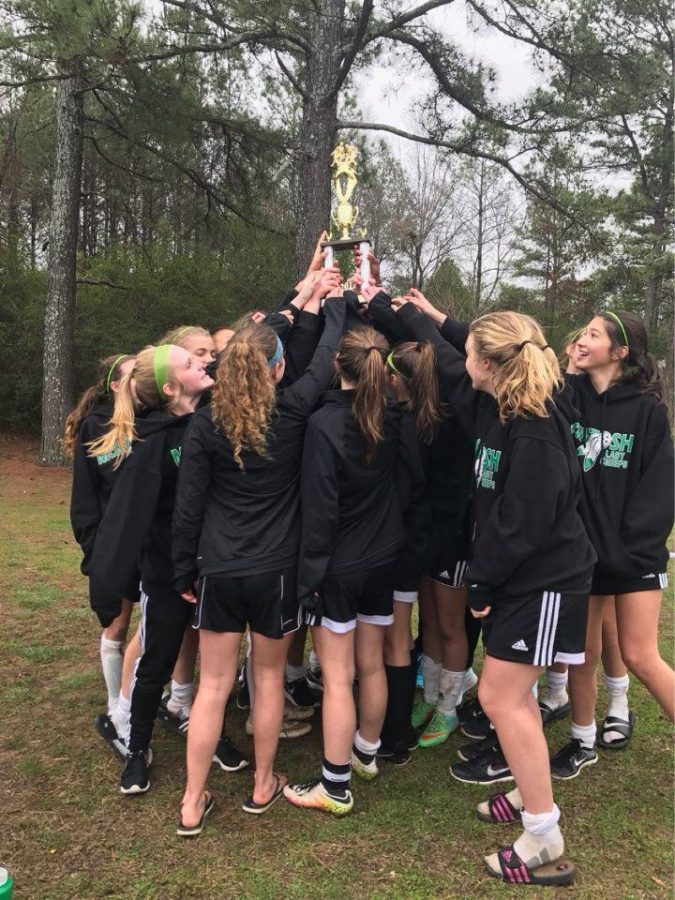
181,698
541,841
123,716
314,664
111,663
364,746
556,689
295,673
585,734
449,689
617,688
432,675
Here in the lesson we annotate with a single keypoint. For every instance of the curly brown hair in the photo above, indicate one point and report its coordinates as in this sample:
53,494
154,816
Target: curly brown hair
243,397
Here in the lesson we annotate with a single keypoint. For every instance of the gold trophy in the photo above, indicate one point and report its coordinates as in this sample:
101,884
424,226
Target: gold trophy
343,163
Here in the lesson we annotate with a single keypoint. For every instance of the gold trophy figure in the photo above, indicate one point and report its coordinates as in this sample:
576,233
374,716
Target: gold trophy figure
343,163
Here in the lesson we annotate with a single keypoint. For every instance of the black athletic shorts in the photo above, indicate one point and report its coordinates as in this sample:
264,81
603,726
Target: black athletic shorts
366,596
267,603
453,575
538,628
608,585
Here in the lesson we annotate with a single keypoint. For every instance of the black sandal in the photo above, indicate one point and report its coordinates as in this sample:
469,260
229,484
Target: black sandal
614,723
194,830
250,806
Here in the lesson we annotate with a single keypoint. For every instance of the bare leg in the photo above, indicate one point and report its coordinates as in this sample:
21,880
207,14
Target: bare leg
336,655
296,649
184,670
397,637
450,604
637,617
218,669
369,647
269,659
505,693
612,661
583,687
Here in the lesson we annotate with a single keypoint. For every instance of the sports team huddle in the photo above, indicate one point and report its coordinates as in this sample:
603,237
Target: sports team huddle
319,469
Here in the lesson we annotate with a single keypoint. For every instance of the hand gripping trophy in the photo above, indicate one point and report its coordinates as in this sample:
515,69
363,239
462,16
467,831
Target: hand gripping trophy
343,163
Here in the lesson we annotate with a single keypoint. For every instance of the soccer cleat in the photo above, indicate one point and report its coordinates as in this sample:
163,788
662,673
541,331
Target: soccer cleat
367,771
135,775
313,795
298,693
105,727
439,729
228,757
421,712
176,723
467,752
568,762
490,768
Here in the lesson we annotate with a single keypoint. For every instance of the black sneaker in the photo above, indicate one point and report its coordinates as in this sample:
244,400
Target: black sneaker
314,679
400,756
300,694
228,757
135,776
104,725
477,748
243,694
489,768
568,762
176,724
473,723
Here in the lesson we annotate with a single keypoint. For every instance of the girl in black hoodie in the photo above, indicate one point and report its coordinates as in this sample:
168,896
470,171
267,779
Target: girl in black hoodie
153,406
358,447
236,529
93,481
530,564
625,452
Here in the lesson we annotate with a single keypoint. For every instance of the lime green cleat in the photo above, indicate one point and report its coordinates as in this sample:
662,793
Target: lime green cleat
421,712
439,729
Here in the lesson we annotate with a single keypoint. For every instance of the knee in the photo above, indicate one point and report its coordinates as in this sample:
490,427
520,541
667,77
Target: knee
339,681
639,660
488,696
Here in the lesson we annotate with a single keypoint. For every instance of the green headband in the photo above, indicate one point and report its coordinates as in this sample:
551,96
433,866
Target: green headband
160,366
184,330
112,369
618,321
392,366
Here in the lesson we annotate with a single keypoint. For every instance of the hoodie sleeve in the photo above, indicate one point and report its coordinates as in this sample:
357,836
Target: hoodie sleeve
85,504
302,343
410,483
455,384
319,495
124,529
523,517
648,516
280,325
385,319
305,393
194,480
455,333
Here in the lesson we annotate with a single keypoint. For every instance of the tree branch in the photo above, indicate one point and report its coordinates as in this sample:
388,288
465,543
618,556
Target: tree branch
293,80
352,50
399,21
102,282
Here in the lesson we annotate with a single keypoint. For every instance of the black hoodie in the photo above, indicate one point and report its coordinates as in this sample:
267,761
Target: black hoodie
625,452
352,510
245,522
527,533
93,480
136,526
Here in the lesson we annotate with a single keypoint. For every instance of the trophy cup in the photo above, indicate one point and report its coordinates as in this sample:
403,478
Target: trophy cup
343,163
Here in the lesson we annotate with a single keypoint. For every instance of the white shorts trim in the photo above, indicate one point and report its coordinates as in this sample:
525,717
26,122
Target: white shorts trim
663,580
335,627
405,596
375,620
572,659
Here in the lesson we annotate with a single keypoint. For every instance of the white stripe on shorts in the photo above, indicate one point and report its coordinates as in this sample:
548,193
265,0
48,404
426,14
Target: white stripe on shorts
548,623
375,620
663,580
405,596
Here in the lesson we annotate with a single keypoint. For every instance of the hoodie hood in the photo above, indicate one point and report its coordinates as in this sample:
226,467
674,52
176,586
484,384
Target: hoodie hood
155,420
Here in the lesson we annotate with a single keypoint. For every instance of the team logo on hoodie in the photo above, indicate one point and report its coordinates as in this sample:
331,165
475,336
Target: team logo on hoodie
612,449
175,455
486,464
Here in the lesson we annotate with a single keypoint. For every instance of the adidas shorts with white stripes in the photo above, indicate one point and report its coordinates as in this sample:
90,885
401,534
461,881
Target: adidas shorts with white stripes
539,629
611,585
453,576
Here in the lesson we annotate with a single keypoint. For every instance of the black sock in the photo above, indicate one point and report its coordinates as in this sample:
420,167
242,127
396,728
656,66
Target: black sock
399,707
473,629
336,779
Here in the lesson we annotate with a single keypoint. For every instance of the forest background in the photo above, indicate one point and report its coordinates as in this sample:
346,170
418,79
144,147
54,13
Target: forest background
168,162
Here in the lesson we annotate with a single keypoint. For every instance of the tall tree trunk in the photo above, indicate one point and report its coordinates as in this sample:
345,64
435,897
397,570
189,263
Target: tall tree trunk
319,124
57,357
480,238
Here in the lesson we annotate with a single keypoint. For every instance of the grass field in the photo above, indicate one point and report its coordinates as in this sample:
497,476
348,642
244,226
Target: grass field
67,832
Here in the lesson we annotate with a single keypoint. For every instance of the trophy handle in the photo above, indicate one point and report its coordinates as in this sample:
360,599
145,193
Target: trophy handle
364,248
